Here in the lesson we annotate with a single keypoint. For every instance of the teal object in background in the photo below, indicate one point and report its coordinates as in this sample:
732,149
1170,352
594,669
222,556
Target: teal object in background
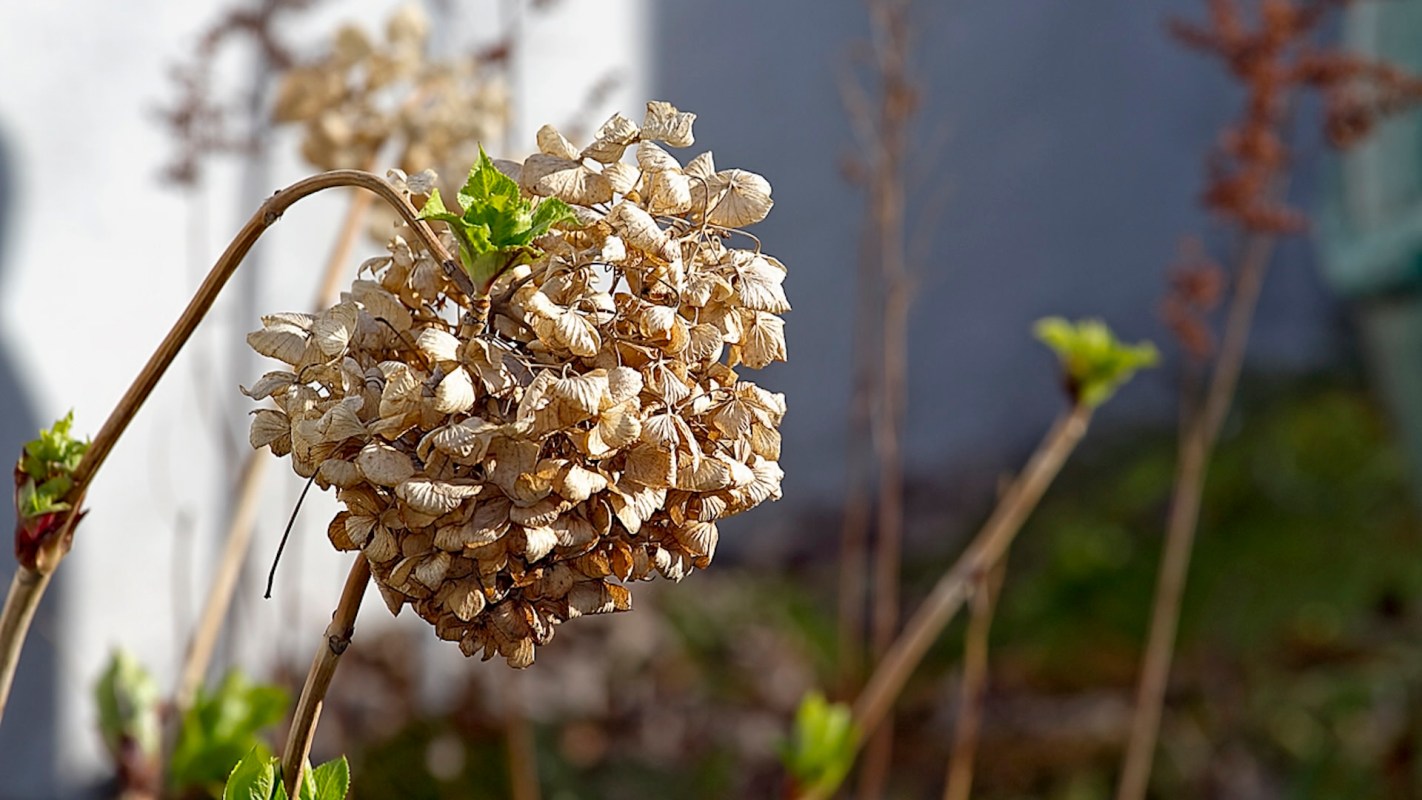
1371,228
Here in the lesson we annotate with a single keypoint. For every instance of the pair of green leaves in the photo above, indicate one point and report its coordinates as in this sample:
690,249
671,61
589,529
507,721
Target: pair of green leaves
47,466
1096,363
820,750
258,777
494,223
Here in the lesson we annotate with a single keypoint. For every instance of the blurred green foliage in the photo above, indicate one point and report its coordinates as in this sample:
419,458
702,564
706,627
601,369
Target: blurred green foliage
223,727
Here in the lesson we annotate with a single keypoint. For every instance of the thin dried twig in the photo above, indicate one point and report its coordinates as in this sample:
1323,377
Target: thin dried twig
947,597
1197,444
323,667
959,783
885,126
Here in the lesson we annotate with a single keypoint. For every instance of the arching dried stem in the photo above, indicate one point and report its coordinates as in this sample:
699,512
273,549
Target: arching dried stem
27,588
240,527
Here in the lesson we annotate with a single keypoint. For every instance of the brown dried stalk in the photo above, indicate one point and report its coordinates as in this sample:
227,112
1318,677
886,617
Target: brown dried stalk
881,126
947,597
959,783
27,587
1197,443
323,667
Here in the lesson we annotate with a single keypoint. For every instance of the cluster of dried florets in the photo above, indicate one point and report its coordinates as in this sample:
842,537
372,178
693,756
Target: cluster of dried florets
503,478
1273,54
344,100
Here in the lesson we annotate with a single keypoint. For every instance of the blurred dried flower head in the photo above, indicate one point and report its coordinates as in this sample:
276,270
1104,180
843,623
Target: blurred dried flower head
1274,54
504,478
366,93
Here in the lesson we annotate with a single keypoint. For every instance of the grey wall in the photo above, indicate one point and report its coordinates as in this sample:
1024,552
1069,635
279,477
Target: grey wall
1075,134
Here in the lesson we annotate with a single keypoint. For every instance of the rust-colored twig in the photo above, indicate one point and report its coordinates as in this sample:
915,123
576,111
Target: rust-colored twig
323,667
1272,53
959,782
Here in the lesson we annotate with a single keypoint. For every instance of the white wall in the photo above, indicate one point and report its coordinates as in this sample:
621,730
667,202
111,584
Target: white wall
100,262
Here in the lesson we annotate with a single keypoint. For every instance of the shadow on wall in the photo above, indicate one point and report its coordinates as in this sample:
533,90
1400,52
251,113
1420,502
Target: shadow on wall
28,736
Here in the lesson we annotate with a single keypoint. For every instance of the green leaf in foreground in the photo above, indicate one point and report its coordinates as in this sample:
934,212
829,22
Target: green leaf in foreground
495,224
1096,363
254,778
332,779
258,777
820,750
44,473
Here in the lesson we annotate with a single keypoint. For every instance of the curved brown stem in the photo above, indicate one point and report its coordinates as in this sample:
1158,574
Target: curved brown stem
240,527
12,637
267,215
323,667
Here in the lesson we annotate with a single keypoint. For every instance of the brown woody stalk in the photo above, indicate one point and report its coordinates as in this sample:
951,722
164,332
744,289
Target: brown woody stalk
947,596
1197,444
323,667
27,586
959,783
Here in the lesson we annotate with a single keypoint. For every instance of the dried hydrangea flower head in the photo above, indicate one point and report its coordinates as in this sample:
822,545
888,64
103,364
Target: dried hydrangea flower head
344,101
508,474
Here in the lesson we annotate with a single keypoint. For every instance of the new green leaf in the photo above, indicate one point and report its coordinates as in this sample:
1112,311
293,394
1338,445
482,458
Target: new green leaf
1096,363
254,778
332,779
495,224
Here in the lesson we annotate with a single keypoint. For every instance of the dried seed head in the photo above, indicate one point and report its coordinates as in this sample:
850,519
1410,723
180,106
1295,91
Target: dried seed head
504,480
